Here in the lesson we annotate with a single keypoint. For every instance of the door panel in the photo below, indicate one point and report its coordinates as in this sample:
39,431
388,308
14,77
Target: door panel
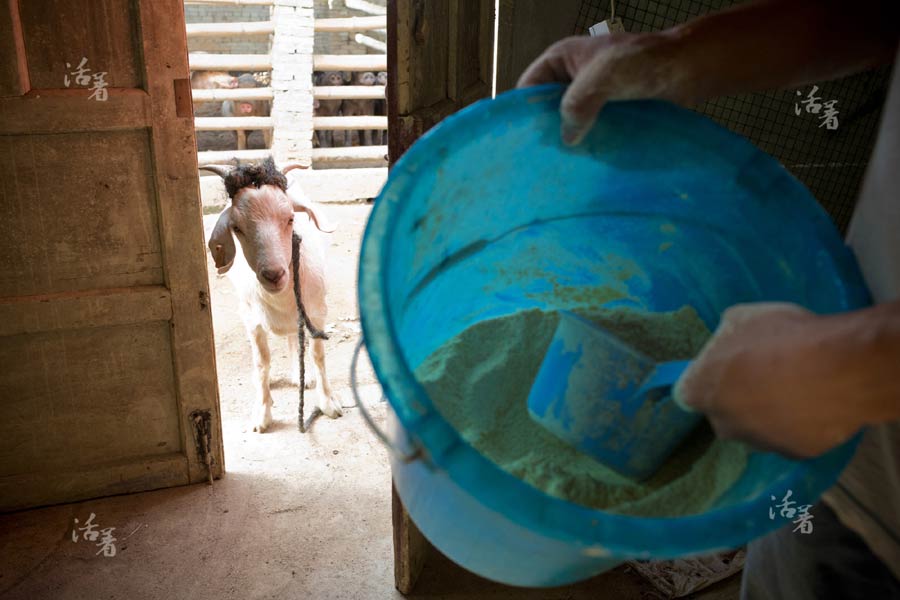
92,223
105,332
126,371
104,31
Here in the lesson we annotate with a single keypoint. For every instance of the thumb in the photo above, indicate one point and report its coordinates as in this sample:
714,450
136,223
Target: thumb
680,395
581,103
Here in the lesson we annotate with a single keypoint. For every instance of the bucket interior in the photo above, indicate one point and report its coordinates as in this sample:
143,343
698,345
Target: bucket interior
658,209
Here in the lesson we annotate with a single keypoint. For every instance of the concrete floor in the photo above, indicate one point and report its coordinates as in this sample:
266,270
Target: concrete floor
294,517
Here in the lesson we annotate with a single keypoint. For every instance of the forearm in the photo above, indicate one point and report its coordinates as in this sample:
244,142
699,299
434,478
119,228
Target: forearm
860,353
781,43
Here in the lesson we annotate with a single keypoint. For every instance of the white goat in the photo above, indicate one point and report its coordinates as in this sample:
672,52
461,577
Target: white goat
262,218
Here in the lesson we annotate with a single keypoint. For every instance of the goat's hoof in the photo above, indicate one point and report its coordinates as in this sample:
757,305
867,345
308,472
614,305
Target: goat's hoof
331,407
262,421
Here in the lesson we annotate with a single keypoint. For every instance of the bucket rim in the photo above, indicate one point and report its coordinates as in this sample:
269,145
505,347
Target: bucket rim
447,450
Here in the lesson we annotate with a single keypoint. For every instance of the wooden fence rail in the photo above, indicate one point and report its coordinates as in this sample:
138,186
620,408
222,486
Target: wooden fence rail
350,92
350,62
229,62
235,94
351,24
219,29
366,7
263,62
242,2
370,42
232,123
349,123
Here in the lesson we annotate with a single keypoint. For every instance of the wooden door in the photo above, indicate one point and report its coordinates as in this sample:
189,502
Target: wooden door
440,58
107,369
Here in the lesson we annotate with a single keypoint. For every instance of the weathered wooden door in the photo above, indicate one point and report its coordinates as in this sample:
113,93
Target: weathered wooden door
107,364
440,59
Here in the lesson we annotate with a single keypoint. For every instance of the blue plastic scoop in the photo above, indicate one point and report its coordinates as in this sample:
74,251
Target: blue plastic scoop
609,400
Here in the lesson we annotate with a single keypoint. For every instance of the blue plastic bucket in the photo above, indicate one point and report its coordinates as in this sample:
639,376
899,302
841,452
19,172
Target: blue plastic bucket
488,213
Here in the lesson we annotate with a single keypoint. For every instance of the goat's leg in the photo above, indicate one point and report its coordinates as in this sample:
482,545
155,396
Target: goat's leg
262,410
308,374
328,403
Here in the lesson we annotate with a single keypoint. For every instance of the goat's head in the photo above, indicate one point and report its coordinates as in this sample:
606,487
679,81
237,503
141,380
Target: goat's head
261,216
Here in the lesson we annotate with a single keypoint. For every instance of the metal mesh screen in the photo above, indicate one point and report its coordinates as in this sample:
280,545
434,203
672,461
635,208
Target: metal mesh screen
831,162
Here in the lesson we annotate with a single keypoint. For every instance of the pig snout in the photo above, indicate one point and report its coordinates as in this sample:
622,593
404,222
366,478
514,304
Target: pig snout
245,108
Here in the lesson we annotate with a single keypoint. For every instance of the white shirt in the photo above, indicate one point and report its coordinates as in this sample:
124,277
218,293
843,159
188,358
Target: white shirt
867,496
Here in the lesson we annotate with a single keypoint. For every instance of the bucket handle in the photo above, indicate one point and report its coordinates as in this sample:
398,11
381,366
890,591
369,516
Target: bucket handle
405,457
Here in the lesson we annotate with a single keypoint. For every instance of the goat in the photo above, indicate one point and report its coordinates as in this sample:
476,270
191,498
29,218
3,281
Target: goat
261,217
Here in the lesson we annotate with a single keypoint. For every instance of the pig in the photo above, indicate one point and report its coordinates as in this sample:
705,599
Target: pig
211,80
247,108
380,135
329,108
355,108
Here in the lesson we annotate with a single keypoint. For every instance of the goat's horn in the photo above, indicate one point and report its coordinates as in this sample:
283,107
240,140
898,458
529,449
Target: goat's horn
220,170
291,167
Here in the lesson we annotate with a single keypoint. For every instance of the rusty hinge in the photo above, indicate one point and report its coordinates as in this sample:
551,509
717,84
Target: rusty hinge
202,422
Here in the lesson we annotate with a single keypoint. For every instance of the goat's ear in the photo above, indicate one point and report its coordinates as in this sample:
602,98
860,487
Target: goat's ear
301,204
221,244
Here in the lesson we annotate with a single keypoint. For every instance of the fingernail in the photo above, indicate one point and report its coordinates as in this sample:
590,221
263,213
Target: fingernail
572,134
678,396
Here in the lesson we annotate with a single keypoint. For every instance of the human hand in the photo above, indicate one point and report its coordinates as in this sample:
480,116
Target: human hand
768,377
620,66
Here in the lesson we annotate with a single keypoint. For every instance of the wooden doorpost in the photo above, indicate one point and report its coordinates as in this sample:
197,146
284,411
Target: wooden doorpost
410,546
440,56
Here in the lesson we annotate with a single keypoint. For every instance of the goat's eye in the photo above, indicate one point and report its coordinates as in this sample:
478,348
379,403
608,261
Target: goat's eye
290,221
236,229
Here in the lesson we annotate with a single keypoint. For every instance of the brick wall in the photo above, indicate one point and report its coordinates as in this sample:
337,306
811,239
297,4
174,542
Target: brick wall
201,13
292,106
342,43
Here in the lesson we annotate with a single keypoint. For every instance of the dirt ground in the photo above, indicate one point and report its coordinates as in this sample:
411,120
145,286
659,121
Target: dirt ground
295,516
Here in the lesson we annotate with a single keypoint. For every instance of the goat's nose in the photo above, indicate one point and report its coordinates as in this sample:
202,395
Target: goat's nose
273,275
